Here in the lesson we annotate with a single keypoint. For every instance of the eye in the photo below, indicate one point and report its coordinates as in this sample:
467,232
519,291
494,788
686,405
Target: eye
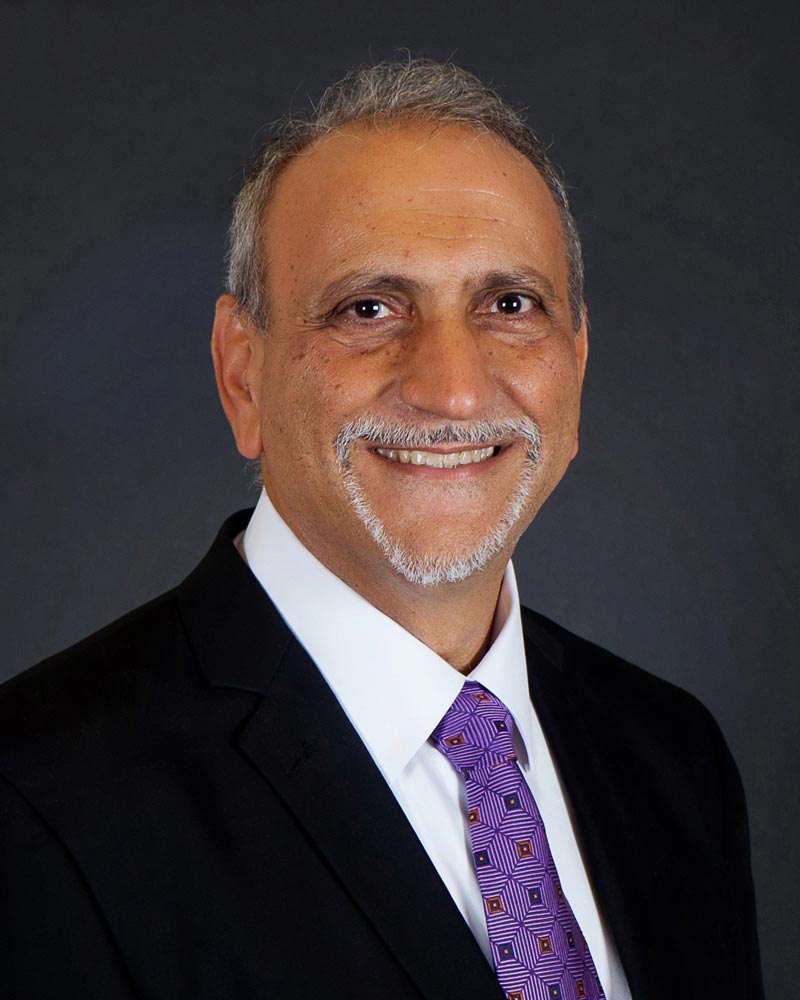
369,309
512,304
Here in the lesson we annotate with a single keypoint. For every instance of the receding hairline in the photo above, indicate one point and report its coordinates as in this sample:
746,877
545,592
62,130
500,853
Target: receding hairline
365,128
382,96
430,127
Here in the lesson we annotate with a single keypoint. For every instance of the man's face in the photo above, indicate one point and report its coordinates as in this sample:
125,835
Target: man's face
418,386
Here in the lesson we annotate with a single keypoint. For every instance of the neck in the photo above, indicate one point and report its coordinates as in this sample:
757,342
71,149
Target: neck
453,619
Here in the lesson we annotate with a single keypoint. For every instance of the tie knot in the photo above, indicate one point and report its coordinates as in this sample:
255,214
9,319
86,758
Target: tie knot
476,730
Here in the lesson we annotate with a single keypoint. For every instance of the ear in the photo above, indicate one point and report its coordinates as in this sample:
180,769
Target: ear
582,347
238,353
581,356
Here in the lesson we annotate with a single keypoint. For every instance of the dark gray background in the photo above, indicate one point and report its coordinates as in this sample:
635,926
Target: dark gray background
672,541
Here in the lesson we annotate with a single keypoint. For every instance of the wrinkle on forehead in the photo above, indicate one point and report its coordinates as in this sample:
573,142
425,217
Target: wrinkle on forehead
463,216
468,190
433,216
428,224
429,233
406,233
363,196
441,212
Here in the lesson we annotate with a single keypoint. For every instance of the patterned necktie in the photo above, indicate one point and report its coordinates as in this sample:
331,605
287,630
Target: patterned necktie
538,949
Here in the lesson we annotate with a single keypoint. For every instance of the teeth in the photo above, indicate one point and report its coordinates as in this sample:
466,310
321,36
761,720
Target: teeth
437,459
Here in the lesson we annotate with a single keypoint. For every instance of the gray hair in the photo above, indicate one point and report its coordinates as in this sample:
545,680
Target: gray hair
417,90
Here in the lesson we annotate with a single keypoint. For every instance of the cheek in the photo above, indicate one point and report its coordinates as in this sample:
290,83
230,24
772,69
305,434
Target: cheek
308,397
341,385
545,387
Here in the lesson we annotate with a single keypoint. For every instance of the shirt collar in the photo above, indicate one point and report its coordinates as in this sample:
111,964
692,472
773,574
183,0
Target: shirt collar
392,687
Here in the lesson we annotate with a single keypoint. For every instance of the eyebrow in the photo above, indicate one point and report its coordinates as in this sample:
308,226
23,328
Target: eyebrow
368,282
524,276
376,282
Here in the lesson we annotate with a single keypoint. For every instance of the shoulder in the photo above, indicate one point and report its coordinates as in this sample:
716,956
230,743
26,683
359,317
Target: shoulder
133,679
642,719
97,689
646,764
657,740
165,684
601,674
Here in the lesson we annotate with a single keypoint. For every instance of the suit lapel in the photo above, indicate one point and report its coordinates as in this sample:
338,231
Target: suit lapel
607,815
301,742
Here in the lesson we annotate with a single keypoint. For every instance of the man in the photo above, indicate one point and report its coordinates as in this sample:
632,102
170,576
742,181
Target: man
338,760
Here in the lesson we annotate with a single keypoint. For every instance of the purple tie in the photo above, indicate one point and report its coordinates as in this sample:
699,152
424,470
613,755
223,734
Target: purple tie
538,949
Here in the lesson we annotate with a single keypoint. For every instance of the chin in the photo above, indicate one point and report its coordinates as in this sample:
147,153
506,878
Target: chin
429,568
426,570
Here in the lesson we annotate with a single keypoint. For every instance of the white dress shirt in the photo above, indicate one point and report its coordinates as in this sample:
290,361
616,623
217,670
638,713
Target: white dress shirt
395,691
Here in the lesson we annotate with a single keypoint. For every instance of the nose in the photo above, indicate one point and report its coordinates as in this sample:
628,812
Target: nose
446,371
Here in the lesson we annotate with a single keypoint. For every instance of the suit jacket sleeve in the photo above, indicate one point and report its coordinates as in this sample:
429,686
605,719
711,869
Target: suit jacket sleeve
53,940
736,853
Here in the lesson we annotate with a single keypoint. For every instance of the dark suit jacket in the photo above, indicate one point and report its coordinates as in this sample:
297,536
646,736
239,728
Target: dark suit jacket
185,812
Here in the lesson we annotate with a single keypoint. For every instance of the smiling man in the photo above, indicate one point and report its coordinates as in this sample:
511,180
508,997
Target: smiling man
415,398
339,759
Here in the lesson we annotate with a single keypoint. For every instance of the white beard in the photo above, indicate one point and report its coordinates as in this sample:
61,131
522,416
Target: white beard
428,570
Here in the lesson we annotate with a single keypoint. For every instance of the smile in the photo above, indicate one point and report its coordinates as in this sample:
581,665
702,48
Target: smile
438,459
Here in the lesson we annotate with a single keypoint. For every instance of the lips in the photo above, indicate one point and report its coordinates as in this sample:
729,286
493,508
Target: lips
437,459
438,446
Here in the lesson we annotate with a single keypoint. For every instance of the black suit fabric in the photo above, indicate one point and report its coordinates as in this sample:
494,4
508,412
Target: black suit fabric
186,812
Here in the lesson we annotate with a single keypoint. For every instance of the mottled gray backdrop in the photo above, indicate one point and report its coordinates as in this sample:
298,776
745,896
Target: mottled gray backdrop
673,540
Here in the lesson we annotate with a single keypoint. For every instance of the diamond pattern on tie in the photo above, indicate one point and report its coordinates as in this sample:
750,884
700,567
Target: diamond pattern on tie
538,949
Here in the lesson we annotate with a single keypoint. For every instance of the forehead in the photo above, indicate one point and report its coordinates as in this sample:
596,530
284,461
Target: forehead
419,194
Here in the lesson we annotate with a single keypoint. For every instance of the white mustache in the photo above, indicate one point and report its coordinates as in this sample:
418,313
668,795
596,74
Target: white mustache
410,437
